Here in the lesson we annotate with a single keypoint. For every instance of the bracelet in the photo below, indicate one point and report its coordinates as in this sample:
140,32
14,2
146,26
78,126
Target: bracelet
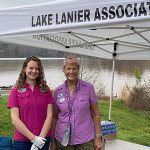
98,134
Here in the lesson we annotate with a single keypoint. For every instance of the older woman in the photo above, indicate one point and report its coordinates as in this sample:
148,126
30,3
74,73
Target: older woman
76,122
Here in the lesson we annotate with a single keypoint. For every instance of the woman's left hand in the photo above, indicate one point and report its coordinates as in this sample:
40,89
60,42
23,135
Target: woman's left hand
98,143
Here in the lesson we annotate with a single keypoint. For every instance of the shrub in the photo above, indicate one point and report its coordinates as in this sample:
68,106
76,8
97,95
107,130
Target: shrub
138,97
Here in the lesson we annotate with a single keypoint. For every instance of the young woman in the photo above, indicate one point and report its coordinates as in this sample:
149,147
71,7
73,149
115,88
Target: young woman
76,122
30,104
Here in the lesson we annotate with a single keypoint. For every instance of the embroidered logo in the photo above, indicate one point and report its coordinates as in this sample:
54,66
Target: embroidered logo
22,90
61,97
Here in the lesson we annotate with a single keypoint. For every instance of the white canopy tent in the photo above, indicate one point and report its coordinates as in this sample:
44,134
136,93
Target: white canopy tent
110,29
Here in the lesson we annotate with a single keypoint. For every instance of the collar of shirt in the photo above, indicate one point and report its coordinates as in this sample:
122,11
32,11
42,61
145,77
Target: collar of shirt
26,85
76,88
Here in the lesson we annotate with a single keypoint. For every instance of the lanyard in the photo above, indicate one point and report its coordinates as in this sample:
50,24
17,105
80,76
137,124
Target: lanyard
70,104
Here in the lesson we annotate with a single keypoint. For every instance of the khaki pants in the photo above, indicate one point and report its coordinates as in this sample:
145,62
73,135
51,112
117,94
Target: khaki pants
85,146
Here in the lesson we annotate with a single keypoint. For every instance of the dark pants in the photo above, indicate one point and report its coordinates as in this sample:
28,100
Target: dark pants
85,146
26,145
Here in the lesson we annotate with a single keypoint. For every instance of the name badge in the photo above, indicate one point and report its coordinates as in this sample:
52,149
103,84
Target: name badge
22,90
61,97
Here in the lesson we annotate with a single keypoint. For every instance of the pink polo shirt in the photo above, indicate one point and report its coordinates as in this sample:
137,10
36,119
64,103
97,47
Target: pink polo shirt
82,126
32,108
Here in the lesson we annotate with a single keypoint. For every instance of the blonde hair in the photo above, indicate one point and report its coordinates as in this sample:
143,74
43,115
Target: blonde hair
71,60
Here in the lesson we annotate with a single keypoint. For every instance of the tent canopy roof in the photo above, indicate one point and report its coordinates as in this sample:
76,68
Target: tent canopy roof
103,29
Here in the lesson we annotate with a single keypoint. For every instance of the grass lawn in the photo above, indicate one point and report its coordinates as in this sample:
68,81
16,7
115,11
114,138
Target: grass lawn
6,127
132,125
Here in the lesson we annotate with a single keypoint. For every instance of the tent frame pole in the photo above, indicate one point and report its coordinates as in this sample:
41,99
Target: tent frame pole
112,80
